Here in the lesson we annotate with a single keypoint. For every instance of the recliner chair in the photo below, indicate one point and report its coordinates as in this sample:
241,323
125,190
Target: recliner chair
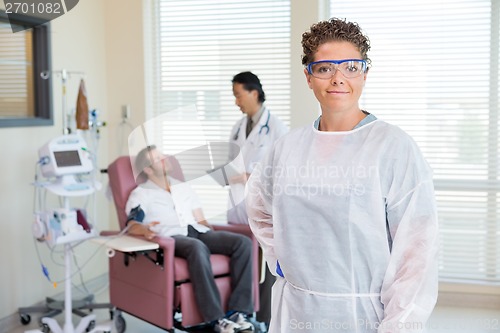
154,285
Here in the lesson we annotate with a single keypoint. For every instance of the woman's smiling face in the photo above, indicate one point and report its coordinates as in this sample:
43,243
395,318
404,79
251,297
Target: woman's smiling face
337,94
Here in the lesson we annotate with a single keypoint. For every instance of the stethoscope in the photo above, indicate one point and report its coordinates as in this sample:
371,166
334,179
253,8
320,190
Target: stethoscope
265,126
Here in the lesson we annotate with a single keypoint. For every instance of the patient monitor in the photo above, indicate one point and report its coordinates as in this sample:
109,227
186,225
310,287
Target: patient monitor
64,161
64,157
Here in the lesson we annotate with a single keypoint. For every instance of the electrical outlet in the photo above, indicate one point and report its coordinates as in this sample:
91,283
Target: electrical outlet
125,112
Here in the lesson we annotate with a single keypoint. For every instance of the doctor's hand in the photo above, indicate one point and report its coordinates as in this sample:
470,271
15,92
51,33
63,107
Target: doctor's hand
241,178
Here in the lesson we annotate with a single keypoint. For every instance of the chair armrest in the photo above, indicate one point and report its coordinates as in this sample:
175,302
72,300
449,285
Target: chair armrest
167,244
109,233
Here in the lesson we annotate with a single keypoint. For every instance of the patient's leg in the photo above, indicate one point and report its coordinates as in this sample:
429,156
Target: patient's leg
207,295
239,248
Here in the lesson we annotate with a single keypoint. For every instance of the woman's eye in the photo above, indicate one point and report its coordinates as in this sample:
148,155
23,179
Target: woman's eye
324,69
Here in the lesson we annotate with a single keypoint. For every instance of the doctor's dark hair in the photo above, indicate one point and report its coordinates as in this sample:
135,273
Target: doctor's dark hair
142,161
333,30
250,82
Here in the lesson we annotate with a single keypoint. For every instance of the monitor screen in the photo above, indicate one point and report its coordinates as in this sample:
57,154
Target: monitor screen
67,158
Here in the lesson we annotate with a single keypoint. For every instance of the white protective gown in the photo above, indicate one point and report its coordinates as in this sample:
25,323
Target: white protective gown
351,218
252,149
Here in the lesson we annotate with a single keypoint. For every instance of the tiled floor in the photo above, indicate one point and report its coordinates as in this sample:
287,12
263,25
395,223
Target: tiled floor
443,320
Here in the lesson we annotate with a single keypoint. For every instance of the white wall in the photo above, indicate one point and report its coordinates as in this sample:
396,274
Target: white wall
125,69
304,106
77,44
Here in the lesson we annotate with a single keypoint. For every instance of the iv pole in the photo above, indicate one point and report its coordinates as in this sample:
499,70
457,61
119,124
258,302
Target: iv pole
87,321
64,78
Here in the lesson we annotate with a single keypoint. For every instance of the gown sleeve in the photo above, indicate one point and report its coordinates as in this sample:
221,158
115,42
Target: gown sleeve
410,287
259,197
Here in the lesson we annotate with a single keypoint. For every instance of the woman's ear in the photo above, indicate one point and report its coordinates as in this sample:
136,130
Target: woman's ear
308,78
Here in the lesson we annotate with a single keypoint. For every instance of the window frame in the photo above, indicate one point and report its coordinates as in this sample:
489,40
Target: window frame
41,63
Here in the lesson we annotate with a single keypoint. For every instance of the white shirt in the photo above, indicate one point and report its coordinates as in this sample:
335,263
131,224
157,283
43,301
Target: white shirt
174,209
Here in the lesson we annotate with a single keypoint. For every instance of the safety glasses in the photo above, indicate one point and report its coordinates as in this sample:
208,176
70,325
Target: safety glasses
326,69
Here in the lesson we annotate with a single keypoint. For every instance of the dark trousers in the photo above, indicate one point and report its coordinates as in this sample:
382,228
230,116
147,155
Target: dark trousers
265,289
196,248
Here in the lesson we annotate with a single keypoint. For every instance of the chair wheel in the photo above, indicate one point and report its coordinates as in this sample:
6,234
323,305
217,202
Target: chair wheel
25,318
45,328
91,326
120,324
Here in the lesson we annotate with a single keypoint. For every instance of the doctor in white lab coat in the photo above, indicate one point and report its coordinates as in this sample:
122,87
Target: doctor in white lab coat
254,134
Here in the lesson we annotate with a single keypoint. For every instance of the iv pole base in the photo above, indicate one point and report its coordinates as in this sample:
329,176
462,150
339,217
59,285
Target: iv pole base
51,325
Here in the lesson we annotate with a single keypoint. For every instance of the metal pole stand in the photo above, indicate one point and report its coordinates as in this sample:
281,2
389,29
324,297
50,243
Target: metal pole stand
87,323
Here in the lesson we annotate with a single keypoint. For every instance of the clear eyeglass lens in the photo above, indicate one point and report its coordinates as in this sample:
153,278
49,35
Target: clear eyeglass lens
326,70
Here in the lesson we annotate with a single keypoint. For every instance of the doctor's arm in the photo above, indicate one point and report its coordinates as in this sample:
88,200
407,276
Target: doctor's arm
240,179
410,286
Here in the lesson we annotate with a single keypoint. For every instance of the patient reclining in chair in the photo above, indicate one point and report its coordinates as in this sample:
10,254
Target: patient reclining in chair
164,206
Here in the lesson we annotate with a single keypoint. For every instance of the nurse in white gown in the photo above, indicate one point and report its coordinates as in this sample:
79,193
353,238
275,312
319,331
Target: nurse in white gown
344,208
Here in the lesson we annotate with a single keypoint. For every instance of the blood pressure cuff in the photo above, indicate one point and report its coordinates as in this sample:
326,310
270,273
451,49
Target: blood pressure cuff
136,214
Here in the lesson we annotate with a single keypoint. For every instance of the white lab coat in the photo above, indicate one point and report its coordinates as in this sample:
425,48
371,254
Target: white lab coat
351,218
252,150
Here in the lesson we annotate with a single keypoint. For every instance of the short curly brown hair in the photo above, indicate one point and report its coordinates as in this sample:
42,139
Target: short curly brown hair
333,30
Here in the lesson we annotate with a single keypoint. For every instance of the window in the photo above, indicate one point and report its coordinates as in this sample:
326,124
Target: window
196,47
25,98
435,73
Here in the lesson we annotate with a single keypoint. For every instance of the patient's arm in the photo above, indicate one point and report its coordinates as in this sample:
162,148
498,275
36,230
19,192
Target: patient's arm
141,229
200,218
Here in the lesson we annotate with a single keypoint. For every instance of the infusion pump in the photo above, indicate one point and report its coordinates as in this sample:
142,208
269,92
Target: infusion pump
64,157
64,163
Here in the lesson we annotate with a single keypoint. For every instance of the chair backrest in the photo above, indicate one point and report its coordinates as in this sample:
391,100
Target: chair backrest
122,182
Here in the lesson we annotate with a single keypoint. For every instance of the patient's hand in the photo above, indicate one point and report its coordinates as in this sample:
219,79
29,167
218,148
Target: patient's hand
150,231
140,229
206,224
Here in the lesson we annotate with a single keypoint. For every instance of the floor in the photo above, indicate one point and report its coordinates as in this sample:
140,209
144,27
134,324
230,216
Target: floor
443,320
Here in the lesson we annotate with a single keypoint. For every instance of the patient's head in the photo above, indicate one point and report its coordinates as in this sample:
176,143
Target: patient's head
151,163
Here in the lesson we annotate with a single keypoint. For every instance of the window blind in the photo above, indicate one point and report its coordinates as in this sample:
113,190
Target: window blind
435,74
195,48
16,81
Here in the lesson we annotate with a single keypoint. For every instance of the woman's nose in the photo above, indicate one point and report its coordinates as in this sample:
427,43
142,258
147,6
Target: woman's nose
337,78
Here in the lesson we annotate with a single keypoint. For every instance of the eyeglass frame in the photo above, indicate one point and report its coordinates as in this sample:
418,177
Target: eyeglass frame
336,62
